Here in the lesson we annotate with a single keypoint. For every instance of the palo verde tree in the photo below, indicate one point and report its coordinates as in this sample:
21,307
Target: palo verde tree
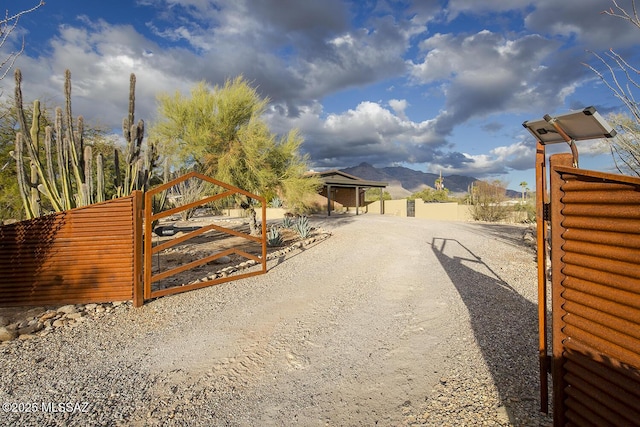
221,133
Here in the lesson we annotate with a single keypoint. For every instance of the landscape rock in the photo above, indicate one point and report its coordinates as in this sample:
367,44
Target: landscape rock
68,309
25,337
75,315
28,330
58,323
48,315
7,334
34,312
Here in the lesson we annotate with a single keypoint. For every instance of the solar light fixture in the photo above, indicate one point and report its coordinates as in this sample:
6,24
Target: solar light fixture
578,125
570,127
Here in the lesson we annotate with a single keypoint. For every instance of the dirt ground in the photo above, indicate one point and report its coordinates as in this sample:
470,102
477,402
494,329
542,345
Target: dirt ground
322,339
357,330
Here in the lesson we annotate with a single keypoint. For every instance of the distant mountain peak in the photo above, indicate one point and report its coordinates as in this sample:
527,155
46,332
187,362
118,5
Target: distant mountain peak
410,179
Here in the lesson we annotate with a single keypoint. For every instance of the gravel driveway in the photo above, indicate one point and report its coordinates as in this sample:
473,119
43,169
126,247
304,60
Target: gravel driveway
391,321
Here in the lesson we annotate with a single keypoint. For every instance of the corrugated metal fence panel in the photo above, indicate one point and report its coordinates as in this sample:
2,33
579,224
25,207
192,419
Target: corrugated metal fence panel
596,281
77,256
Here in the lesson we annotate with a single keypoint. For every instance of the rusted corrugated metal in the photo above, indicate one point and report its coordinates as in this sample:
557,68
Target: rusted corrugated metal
89,254
595,232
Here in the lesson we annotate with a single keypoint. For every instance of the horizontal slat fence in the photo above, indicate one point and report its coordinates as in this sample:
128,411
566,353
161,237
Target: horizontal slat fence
596,296
84,255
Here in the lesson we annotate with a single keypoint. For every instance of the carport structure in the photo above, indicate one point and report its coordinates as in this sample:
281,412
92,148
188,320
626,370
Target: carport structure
346,189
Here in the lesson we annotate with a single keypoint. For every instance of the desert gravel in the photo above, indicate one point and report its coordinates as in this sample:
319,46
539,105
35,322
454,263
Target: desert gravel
390,321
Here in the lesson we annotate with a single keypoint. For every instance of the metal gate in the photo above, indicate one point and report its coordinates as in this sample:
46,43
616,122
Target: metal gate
149,249
411,208
595,290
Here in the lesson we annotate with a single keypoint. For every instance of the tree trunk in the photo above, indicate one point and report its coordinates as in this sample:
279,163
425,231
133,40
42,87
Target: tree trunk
254,230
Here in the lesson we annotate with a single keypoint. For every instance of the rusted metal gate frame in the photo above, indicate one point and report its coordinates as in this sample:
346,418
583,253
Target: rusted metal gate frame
595,339
149,249
542,234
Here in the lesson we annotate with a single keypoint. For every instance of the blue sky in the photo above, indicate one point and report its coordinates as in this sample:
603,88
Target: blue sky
431,85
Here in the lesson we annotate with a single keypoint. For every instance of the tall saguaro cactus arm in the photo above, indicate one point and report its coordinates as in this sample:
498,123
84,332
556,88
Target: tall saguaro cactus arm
22,179
39,180
74,141
134,134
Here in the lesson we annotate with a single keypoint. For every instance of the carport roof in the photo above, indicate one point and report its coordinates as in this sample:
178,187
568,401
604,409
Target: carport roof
336,178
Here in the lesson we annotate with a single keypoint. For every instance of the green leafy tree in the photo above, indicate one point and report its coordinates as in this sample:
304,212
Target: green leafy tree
221,133
10,202
431,195
373,195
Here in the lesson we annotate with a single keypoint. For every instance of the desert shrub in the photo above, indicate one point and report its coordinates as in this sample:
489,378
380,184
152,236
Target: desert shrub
530,210
431,195
487,201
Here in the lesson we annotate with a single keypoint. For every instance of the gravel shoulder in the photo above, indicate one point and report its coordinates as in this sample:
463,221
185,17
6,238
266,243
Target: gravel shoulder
390,321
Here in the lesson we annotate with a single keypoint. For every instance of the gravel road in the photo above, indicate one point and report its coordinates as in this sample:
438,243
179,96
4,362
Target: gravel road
390,321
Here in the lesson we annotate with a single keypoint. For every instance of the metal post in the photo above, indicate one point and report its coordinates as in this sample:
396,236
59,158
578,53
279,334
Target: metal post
541,231
328,200
138,243
381,200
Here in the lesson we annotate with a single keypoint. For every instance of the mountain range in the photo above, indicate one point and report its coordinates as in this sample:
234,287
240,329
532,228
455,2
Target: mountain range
404,181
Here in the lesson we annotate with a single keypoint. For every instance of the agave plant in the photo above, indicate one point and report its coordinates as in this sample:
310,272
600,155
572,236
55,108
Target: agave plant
274,238
276,202
287,222
302,227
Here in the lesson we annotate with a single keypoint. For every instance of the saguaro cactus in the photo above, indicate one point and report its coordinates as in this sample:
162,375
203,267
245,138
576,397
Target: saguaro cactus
68,180
134,134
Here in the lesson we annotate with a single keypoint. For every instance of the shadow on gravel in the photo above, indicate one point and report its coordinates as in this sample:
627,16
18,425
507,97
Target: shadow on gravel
504,325
509,234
